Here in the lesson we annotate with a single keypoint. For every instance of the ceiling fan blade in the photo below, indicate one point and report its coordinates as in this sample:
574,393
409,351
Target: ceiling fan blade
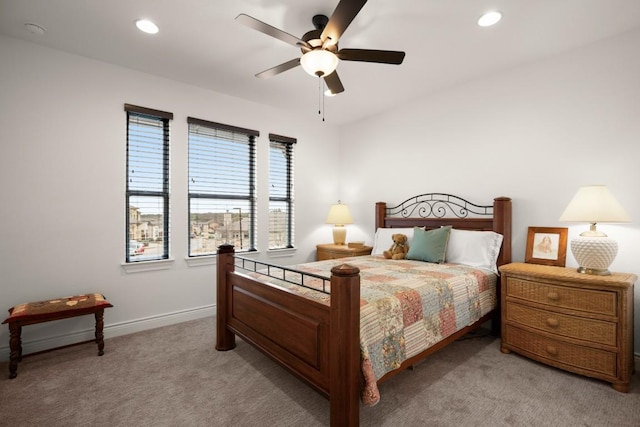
333,83
271,31
368,55
279,69
340,19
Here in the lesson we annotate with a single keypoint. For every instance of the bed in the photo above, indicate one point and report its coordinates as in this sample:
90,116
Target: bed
309,317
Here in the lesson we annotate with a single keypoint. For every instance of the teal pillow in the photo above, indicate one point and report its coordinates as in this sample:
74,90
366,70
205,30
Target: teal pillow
429,245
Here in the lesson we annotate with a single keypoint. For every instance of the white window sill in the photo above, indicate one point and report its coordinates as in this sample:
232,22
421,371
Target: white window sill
213,259
142,266
281,253
197,261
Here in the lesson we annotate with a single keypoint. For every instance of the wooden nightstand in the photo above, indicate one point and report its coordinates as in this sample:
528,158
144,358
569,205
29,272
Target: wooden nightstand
578,322
331,251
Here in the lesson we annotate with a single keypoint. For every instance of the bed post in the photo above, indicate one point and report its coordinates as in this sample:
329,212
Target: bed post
225,339
344,346
502,225
381,213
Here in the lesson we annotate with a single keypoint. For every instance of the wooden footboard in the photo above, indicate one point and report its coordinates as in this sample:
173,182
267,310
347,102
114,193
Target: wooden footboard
317,343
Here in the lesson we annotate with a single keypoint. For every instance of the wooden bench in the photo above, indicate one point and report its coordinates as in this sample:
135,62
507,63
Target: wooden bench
55,309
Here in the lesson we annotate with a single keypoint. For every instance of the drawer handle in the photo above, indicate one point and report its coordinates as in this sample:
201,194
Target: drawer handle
552,350
553,296
552,322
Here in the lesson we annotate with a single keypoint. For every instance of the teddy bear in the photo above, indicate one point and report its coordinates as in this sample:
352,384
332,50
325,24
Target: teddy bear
399,248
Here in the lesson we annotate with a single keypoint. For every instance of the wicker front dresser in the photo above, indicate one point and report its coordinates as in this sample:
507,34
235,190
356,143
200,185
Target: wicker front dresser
578,322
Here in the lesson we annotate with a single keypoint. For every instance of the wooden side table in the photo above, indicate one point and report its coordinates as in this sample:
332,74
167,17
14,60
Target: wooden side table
55,309
331,251
577,322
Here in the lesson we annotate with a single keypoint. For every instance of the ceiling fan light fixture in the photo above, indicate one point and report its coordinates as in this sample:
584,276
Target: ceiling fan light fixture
319,62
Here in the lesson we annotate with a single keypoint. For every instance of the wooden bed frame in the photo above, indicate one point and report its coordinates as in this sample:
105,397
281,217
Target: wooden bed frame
320,343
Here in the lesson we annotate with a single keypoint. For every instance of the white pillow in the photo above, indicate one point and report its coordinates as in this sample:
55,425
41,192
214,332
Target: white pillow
383,241
474,248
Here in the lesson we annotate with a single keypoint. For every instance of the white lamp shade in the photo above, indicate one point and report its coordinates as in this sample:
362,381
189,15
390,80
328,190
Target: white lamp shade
594,204
339,215
319,62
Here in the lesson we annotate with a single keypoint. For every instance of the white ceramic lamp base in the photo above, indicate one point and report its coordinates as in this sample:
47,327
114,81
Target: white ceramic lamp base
594,253
339,235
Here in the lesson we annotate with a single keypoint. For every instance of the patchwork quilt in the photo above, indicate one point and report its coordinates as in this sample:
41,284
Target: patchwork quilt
406,307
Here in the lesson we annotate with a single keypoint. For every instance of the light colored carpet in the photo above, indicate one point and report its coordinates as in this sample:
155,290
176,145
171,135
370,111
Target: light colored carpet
173,376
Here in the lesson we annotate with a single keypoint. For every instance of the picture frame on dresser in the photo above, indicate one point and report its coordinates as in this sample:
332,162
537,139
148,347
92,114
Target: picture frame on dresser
546,246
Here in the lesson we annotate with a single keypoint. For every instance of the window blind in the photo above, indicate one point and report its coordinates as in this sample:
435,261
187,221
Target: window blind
281,234
147,189
222,174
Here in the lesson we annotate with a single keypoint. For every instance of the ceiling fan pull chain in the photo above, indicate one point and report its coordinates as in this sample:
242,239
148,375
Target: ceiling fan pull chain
319,93
322,96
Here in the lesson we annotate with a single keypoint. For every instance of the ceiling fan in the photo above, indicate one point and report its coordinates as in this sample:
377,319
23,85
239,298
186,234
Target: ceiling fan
319,47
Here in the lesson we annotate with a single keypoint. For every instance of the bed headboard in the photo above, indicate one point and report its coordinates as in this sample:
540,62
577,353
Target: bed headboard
433,210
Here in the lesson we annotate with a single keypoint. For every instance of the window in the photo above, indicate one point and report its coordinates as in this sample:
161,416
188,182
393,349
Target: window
280,191
222,171
147,214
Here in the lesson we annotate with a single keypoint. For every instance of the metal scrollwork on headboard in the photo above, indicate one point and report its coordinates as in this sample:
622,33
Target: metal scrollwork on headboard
438,205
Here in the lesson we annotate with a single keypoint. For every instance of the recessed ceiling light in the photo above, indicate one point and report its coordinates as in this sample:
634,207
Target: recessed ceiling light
35,28
147,26
489,19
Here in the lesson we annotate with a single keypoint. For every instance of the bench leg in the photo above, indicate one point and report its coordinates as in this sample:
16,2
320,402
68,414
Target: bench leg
15,345
99,334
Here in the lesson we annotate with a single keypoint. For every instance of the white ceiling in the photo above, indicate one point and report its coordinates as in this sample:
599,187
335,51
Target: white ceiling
200,43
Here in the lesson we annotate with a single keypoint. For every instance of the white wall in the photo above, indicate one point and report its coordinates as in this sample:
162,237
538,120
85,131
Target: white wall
62,168
552,126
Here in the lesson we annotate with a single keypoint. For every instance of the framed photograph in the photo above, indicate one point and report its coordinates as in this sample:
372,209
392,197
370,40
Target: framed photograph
546,246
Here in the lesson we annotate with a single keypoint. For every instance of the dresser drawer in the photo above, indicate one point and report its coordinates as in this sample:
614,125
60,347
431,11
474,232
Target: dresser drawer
590,359
581,328
592,301
324,255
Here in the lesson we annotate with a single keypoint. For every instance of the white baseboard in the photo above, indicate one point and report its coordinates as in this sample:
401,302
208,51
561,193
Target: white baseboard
111,331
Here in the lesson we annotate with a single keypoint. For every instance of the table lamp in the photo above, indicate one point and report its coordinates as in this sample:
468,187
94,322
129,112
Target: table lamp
339,215
594,250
